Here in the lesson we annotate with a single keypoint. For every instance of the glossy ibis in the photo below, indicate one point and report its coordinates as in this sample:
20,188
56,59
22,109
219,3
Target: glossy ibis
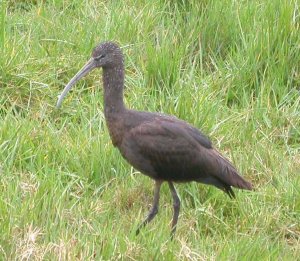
158,145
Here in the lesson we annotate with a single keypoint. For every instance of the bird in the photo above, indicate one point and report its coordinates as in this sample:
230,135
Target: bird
160,146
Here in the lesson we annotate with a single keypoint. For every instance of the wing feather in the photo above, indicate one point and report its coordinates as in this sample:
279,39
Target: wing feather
170,149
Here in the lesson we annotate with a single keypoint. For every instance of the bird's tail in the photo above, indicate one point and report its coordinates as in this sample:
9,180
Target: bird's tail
229,176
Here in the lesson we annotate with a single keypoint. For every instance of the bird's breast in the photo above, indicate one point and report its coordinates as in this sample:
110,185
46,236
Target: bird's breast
115,134
115,129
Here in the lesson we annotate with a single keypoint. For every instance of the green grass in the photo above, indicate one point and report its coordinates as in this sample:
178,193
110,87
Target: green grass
231,68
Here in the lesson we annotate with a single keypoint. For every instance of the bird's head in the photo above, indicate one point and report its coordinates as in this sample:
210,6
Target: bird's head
106,55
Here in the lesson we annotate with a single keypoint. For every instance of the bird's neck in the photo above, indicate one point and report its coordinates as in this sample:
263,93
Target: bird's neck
113,83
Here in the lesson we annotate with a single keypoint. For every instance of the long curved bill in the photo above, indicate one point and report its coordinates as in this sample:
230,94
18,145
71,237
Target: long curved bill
90,65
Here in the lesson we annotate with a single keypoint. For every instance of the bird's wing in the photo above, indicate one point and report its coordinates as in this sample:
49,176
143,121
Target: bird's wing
170,149
218,166
167,148
196,134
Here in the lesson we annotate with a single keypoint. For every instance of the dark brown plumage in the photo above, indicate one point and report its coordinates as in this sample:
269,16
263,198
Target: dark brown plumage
158,145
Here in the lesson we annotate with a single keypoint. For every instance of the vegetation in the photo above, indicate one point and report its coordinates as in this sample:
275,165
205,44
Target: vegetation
231,68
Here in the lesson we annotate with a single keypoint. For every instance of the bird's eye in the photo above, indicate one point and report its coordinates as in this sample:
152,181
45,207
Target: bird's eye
99,57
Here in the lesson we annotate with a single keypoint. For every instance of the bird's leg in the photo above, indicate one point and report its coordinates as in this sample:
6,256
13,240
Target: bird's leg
153,211
176,206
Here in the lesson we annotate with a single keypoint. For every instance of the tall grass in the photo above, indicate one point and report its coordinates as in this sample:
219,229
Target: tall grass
231,68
